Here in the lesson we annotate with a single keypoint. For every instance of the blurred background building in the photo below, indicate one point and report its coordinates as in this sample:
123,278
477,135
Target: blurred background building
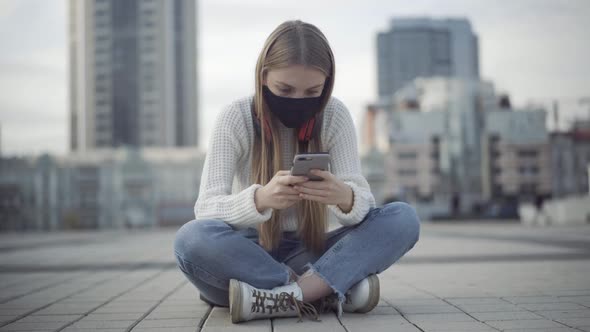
516,155
104,188
132,73
435,134
134,160
443,139
570,157
424,47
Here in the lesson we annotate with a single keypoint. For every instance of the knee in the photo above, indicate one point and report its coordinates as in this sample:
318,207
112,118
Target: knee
195,236
404,221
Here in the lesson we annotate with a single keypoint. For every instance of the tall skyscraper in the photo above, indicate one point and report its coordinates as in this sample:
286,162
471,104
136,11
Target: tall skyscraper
132,73
424,47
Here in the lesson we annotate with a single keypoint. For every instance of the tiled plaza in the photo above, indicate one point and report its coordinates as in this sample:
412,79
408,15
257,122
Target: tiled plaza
465,276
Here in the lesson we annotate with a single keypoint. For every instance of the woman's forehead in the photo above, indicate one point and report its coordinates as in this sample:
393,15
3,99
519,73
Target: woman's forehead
298,76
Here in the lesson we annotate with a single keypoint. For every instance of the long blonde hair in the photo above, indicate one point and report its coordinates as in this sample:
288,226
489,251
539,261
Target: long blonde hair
291,43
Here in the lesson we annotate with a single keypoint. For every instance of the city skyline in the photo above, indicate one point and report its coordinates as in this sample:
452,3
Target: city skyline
546,58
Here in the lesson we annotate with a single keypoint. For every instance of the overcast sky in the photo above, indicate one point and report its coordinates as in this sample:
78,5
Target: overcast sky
533,49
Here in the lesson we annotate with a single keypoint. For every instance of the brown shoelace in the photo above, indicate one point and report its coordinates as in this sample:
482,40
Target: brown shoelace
329,302
283,301
326,303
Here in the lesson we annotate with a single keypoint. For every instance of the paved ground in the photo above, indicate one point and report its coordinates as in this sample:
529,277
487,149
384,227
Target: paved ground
459,277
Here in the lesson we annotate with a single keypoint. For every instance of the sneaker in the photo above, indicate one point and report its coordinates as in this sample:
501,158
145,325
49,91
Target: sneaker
247,302
361,297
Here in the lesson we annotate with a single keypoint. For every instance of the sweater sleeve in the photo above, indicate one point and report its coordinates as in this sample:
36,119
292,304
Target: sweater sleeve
345,165
226,147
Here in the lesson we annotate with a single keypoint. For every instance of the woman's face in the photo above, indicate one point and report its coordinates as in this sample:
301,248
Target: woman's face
296,81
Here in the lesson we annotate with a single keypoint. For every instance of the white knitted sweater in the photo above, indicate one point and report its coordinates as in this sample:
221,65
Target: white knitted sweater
225,191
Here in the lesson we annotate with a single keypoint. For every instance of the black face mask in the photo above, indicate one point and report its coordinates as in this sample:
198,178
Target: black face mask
292,112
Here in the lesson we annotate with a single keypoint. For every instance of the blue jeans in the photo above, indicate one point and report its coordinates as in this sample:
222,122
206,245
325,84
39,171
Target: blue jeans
210,252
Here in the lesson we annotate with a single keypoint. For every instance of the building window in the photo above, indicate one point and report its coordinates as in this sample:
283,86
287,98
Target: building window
528,188
495,154
532,170
406,172
497,171
148,75
528,153
406,155
497,189
102,142
101,38
148,86
101,89
101,50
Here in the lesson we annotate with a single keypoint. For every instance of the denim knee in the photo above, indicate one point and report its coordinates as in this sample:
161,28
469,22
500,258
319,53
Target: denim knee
404,219
195,238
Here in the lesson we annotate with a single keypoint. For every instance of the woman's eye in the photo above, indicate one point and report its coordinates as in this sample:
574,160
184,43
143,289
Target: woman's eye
286,91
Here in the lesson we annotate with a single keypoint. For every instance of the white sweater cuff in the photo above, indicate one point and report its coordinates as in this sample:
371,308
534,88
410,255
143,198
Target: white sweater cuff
246,213
240,209
360,207
259,216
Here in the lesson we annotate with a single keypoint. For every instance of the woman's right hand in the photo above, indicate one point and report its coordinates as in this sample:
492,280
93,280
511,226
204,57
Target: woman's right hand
278,193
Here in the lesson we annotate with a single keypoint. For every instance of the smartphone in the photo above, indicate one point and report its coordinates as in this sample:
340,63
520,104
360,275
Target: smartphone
303,163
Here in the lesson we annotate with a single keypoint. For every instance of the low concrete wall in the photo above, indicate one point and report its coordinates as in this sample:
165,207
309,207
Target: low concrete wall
573,210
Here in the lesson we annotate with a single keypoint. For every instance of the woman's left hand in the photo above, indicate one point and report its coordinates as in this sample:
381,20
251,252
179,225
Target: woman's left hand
331,190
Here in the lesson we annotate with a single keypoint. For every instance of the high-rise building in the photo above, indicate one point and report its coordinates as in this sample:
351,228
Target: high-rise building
132,73
425,47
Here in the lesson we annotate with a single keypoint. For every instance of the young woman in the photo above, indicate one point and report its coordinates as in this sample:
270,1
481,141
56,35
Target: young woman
259,243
